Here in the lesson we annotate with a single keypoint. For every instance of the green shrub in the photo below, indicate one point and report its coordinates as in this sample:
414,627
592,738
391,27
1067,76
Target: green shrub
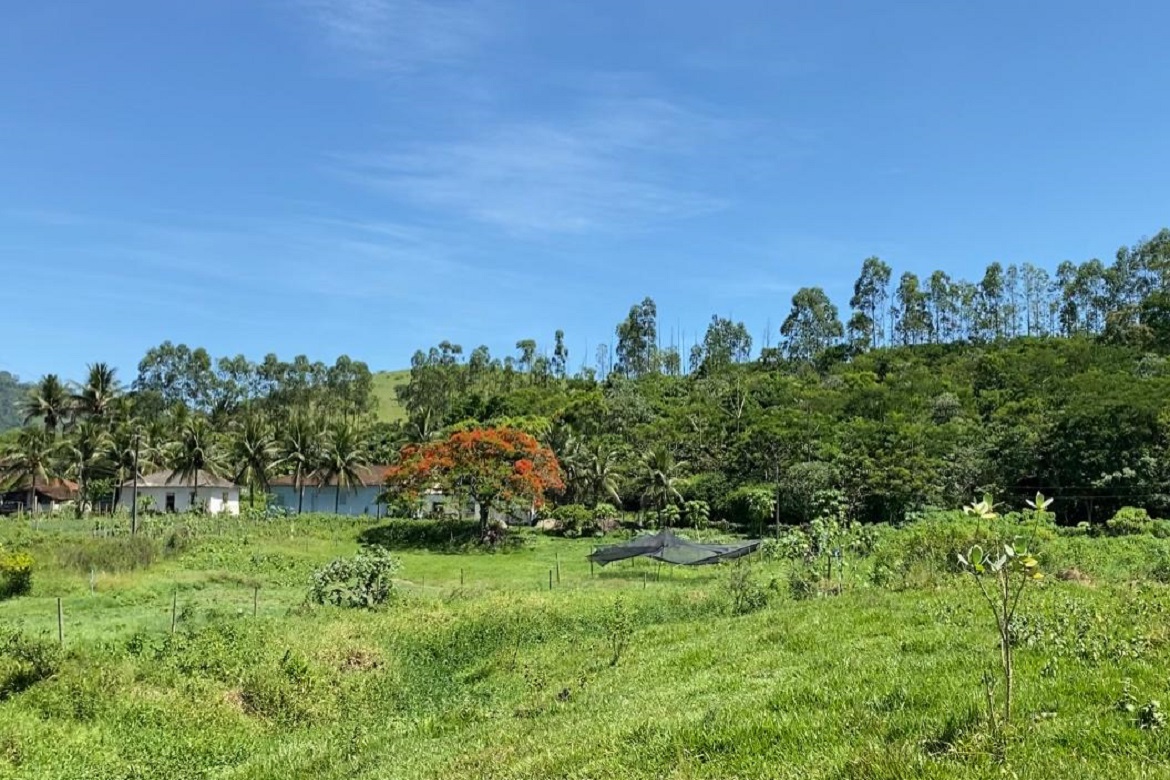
26,661
574,519
747,594
126,553
364,581
1160,528
1129,521
447,535
751,506
604,511
697,514
15,574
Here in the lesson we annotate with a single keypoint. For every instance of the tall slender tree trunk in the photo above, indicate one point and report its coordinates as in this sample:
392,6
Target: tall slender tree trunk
485,510
32,494
194,491
300,480
337,497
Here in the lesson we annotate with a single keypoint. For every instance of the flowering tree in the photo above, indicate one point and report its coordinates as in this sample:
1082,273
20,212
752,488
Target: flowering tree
492,465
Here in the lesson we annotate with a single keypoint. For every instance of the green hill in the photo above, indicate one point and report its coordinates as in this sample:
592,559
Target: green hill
385,382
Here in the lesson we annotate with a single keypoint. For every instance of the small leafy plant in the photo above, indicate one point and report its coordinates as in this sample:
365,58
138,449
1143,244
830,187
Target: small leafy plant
363,581
1002,573
619,627
747,594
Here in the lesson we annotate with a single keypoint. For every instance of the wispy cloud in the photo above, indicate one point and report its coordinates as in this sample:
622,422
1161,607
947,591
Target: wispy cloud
611,165
403,35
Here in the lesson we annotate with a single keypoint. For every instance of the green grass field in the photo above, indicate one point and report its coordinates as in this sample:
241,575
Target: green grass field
478,670
385,383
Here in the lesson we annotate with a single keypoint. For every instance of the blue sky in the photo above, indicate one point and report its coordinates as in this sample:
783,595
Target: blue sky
372,176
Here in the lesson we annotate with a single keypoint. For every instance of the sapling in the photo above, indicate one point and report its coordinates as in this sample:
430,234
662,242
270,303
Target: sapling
1002,574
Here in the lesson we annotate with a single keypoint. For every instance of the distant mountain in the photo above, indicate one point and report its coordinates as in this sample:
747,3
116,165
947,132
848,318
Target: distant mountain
12,392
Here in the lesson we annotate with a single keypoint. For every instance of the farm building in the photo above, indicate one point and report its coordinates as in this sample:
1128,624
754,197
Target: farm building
358,499
170,492
50,496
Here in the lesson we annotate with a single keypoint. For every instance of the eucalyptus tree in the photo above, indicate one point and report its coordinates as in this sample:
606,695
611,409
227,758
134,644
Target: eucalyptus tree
812,326
870,292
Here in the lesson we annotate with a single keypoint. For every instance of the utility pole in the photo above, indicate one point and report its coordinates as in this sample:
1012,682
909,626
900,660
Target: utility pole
134,490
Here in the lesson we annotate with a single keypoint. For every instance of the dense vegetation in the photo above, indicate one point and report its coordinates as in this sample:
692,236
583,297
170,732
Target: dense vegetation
928,393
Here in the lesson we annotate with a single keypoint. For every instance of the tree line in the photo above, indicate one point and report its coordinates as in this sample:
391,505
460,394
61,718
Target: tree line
928,393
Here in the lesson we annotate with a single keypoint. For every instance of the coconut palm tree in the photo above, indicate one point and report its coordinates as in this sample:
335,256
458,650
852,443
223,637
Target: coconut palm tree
601,471
84,449
195,451
660,476
342,458
49,402
300,447
126,447
32,457
96,397
253,453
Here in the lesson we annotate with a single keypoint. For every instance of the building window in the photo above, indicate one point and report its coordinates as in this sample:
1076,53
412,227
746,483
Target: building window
170,502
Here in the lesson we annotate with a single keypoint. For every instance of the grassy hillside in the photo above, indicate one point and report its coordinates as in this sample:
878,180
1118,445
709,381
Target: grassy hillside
479,670
389,410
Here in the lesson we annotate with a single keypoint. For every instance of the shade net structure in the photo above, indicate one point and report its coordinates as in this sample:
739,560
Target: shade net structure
665,546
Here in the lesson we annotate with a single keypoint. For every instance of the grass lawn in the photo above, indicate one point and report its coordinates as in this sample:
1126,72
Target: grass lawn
479,670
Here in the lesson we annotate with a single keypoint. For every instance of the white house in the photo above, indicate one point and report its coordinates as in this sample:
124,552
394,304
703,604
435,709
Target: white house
171,492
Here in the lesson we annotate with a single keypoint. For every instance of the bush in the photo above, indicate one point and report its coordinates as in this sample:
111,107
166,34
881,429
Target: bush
574,519
15,574
361,581
127,553
1129,521
604,511
449,535
25,662
697,514
751,506
747,595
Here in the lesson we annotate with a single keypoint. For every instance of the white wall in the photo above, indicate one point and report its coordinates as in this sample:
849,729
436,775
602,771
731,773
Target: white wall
210,497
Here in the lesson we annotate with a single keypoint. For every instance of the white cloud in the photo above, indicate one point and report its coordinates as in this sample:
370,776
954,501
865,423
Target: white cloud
611,166
403,35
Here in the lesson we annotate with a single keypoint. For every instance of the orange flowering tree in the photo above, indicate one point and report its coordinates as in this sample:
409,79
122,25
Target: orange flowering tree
495,466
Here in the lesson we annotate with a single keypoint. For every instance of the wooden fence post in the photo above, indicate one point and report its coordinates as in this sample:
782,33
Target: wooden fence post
174,609
550,579
255,600
60,623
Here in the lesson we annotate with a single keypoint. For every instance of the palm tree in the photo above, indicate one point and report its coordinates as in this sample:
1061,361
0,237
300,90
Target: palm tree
49,402
253,454
126,445
342,458
660,476
31,457
96,397
591,471
85,447
300,445
195,451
